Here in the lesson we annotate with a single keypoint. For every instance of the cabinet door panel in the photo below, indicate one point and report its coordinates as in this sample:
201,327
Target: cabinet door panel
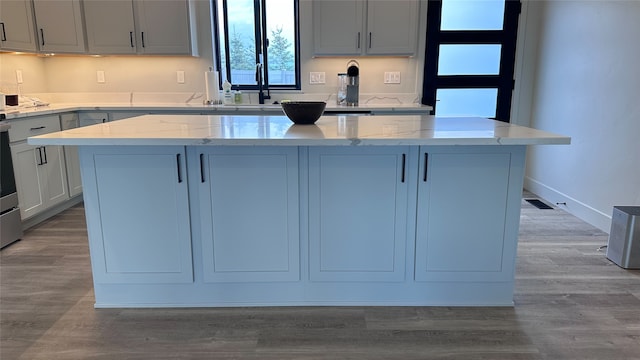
16,17
140,196
28,179
249,207
110,26
73,170
392,27
474,249
338,27
353,235
163,27
59,25
56,175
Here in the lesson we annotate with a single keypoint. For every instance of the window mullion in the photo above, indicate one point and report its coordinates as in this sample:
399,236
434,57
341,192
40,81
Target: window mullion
227,53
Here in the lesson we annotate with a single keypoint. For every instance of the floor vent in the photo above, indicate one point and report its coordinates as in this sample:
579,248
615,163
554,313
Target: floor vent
537,203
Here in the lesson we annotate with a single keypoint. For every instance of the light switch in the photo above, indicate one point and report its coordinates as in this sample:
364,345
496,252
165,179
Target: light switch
316,78
180,76
100,76
392,77
19,76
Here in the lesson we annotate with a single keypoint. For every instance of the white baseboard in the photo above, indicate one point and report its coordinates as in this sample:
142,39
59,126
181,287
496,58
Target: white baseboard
573,206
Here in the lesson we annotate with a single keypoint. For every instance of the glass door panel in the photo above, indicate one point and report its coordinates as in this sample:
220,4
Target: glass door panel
472,14
469,59
467,102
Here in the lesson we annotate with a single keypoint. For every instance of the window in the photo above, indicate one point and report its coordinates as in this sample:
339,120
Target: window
470,56
253,32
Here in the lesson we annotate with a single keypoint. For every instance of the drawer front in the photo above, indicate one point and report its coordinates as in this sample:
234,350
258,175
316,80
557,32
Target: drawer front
24,128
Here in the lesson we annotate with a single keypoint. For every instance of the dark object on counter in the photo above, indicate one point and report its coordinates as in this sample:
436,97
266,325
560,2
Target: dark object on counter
353,83
303,112
11,100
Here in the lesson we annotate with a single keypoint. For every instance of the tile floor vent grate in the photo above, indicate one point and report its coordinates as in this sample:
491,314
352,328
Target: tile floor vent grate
539,204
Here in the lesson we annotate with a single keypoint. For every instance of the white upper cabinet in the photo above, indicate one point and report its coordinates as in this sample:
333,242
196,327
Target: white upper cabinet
59,26
141,26
16,25
358,27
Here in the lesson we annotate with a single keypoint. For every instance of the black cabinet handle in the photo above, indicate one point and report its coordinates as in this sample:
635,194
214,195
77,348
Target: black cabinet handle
37,128
404,163
358,39
179,163
44,150
4,34
369,39
426,166
201,168
42,36
131,37
142,34
40,160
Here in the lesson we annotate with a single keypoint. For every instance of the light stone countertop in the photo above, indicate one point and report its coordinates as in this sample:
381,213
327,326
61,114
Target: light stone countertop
279,130
23,112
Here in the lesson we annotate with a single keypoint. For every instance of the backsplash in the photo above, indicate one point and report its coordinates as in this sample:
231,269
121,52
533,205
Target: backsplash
153,79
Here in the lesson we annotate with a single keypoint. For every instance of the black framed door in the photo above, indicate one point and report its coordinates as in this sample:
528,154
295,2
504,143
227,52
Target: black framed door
470,57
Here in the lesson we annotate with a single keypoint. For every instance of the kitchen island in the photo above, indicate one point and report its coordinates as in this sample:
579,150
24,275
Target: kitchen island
193,210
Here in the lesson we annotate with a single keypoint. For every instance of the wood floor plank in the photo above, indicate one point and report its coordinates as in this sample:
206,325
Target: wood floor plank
570,303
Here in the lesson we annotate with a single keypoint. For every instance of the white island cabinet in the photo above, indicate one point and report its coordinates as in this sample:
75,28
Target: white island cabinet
188,210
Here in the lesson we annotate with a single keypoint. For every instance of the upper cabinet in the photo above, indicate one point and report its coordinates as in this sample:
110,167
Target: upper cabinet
59,26
139,27
358,27
16,24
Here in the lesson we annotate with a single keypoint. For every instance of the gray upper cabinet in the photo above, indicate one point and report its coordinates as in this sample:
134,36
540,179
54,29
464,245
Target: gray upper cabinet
358,27
59,26
139,27
110,26
392,27
17,26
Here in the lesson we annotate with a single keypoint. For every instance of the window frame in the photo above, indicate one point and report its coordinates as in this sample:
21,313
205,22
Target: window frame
261,46
504,81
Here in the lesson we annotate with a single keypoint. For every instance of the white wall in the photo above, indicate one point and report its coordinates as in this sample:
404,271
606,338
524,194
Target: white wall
76,75
587,86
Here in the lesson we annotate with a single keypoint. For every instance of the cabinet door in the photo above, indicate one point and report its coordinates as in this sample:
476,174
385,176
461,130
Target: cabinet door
137,196
338,27
16,22
26,161
110,26
392,27
357,213
72,163
59,26
41,177
92,118
248,204
164,27
55,174
465,240
71,160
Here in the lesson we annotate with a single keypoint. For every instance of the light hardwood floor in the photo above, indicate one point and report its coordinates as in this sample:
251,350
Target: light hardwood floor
570,303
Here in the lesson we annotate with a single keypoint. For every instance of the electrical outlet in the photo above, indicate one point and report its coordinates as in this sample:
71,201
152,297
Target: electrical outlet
19,76
100,76
316,78
180,76
392,77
